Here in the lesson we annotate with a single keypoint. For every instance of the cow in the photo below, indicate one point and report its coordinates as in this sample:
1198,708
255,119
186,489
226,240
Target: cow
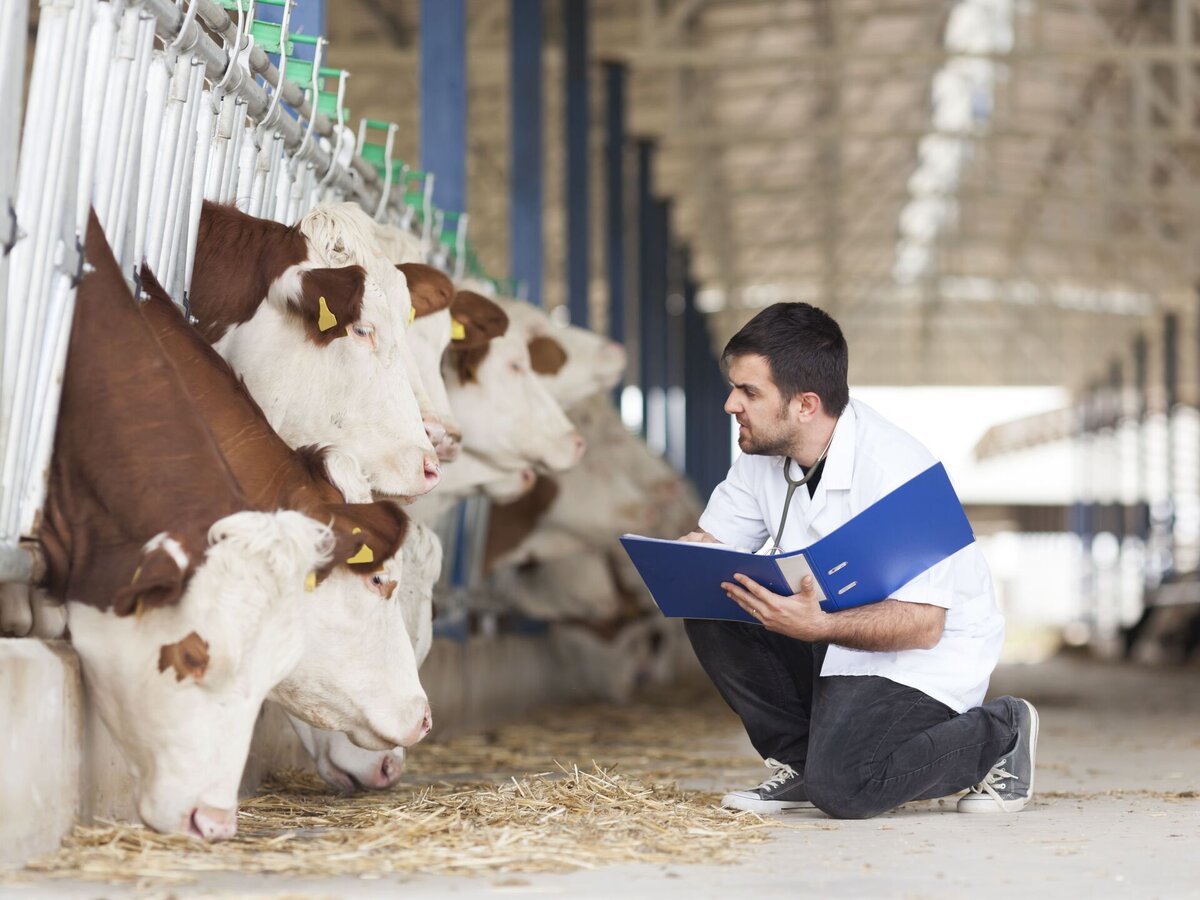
358,673
470,475
343,234
508,416
575,363
179,594
339,762
320,347
430,333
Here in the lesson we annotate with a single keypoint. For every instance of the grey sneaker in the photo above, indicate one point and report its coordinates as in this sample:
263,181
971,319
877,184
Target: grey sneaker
783,790
1009,785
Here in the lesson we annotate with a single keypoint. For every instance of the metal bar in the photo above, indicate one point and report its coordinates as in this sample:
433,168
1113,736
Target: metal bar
578,164
525,168
645,240
444,100
614,195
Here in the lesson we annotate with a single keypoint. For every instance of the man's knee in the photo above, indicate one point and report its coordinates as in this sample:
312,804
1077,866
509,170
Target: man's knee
710,634
842,791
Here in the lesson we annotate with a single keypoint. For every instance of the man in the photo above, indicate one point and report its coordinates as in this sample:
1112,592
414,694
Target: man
856,711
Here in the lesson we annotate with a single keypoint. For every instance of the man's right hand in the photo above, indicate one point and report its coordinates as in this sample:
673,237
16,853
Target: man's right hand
699,536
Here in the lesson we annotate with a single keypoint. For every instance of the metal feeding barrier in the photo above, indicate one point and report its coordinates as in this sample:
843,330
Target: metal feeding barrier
143,109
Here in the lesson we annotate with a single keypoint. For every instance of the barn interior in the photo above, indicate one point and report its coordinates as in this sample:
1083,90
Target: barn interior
993,198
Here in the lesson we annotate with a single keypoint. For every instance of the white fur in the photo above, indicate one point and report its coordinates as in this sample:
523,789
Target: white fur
428,337
338,760
401,246
187,741
508,416
468,475
171,547
594,363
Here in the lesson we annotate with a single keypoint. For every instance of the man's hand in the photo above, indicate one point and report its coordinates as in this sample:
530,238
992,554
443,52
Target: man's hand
699,536
797,615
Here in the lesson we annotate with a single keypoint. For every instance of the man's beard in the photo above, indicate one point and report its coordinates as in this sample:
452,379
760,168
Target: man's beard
775,444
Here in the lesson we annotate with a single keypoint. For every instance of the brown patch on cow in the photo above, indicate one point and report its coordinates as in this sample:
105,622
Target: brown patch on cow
156,581
510,523
431,289
312,457
330,302
186,657
237,259
546,355
381,526
481,320
132,456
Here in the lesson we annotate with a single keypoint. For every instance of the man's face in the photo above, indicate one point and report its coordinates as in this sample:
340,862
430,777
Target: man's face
755,401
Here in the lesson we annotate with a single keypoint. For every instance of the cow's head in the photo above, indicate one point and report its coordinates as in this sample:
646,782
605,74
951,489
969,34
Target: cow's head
180,685
507,414
429,334
580,363
339,761
325,358
358,673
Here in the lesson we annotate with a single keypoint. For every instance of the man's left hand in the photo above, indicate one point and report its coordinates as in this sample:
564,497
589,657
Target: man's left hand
796,615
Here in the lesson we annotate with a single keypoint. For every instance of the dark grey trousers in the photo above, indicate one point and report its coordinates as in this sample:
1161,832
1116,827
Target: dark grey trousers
864,743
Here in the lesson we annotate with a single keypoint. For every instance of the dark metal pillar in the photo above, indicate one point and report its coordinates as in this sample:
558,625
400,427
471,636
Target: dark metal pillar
444,100
647,253
614,195
1141,380
578,167
1171,395
525,245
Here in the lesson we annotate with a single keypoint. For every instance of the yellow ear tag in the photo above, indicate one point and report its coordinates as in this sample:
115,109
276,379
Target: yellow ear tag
458,331
412,314
310,583
364,555
326,319
356,531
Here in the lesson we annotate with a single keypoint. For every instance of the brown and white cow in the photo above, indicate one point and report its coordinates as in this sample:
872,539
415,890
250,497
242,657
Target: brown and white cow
358,673
180,598
429,334
321,349
508,416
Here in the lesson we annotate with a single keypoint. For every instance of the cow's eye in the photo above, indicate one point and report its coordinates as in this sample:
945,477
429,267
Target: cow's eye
377,580
363,330
516,367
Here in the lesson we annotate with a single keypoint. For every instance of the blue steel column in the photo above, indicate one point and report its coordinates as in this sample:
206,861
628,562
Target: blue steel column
577,118
614,194
525,146
444,100
645,277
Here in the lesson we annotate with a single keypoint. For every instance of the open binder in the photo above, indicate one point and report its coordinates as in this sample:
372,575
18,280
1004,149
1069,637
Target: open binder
864,561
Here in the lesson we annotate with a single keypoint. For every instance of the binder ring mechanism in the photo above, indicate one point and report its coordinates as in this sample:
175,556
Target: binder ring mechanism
837,569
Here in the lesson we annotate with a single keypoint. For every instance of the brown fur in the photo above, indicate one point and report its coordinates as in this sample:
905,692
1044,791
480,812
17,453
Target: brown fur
271,473
431,289
510,523
482,320
546,355
132,457
238,258
186,657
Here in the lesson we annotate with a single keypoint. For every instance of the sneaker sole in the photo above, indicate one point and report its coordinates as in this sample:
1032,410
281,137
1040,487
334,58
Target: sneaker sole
982,805
730,801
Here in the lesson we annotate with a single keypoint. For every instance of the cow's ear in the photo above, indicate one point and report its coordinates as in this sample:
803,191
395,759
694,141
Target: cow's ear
330,301
546,355
431,289
187,657
368,534
158,580
476,321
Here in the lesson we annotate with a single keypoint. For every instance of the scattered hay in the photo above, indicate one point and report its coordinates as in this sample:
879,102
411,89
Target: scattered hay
549,822
491,803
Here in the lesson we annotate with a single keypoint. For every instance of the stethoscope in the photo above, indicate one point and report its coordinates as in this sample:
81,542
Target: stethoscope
794,483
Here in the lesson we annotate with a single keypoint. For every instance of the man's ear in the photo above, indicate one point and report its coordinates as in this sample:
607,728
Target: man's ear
807,405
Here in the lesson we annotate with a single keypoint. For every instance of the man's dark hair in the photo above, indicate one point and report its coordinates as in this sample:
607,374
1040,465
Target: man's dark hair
803,346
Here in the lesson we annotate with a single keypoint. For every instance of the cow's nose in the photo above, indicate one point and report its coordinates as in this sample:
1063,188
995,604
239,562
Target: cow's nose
448,447
435,430
421,730
432,471
387,774
580,447
213,824
528,477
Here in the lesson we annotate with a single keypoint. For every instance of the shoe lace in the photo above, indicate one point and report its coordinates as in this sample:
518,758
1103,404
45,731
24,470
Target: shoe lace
783,772
993,780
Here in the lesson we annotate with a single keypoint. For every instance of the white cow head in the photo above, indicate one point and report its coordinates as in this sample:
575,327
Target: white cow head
325,358
339,761
429,335
590,363
507,413
180,686
358,673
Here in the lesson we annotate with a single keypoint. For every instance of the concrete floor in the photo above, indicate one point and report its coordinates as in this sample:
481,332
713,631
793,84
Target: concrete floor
1118,815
